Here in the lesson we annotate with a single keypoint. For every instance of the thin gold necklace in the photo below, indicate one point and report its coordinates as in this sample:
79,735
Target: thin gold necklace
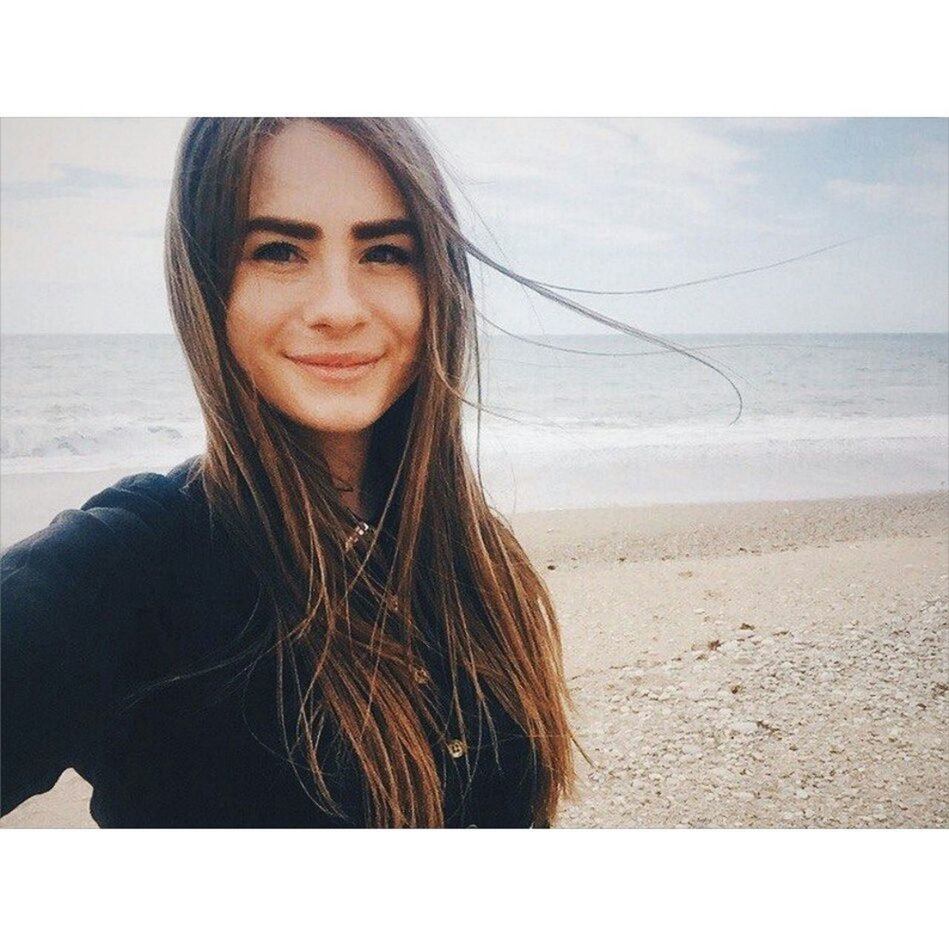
363,528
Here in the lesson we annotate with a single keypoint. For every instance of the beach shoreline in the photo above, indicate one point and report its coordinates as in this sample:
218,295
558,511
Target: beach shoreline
29,501
752,664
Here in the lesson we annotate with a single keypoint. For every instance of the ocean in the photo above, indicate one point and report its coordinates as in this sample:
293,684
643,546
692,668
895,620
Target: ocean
619,422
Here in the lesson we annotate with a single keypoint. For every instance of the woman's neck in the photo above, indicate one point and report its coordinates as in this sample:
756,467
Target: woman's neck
346,455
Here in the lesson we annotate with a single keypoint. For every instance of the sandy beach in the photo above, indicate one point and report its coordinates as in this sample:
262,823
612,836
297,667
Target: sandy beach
763,664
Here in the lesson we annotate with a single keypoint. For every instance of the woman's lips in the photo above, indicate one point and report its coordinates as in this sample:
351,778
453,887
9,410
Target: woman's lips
331,373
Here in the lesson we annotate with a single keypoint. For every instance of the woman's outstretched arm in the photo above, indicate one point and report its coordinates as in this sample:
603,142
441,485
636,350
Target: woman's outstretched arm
67,595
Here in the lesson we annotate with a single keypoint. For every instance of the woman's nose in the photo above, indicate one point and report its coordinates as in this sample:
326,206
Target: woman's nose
332,299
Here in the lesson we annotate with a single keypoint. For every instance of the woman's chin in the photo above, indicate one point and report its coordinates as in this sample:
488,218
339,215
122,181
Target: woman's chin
340,425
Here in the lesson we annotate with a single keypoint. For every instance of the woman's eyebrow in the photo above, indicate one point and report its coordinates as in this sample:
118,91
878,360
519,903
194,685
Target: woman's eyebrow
304,231
370,230
298,230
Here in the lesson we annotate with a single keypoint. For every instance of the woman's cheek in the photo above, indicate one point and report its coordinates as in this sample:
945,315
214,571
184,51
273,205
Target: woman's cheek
254,314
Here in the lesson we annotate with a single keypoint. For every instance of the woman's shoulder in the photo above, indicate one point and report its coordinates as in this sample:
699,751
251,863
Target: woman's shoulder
138,526
154,496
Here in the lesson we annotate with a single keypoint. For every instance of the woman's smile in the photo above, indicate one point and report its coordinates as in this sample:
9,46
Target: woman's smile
336,371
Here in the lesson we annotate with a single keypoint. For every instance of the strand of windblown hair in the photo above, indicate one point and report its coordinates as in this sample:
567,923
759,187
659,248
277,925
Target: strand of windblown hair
583,352
701,280
641,352
543,290
536,284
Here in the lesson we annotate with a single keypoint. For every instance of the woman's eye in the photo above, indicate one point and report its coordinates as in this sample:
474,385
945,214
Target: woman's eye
277,252
388,254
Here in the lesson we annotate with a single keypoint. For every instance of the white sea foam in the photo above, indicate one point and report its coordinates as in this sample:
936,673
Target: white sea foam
608,434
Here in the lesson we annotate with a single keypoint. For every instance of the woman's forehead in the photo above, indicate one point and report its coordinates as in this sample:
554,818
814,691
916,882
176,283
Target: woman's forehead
309,171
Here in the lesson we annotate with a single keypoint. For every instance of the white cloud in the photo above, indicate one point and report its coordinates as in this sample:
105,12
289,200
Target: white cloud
875,194
86,237
84,200
780,125
33,150
926,200
595,183
933,158
684,147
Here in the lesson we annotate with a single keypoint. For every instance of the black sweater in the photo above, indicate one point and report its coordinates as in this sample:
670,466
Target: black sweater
140,584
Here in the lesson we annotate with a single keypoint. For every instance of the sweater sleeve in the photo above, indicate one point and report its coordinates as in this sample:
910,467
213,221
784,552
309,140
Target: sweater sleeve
66,596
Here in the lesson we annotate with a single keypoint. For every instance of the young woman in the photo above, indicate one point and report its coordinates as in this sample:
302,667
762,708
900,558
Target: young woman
318,621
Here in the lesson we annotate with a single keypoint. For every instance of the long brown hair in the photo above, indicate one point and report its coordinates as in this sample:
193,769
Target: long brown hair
345,618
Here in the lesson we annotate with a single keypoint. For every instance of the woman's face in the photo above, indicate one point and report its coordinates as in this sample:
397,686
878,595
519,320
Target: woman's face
326,307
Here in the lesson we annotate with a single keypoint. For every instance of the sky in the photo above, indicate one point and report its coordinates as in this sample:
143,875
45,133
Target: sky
597,203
